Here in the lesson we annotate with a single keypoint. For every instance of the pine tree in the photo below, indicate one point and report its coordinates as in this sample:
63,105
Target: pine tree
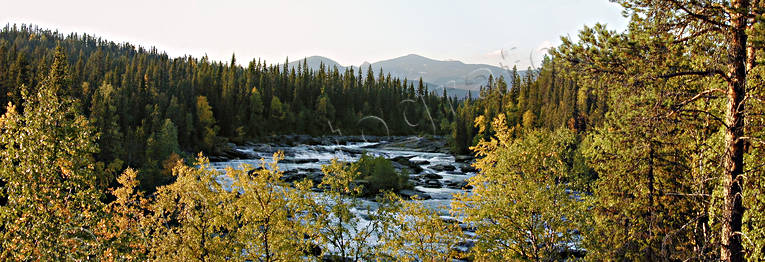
660,53
207,122
104,116
256,112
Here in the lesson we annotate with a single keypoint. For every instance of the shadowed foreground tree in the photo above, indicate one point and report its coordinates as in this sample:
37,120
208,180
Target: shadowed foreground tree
698,59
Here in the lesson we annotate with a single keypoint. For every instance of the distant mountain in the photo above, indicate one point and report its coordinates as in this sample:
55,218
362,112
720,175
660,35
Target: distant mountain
448,74
457,77
314,62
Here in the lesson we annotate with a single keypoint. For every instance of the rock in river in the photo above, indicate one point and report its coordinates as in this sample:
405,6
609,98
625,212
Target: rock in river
443,167
431,176
469,169
412,194
433,184
463,158
299,161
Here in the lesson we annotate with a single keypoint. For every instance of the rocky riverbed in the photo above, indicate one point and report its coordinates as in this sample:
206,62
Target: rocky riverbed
435,173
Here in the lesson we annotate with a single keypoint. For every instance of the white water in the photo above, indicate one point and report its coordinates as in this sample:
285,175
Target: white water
325,153
441,197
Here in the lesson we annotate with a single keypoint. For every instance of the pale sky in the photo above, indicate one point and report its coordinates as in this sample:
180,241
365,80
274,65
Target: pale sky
349,32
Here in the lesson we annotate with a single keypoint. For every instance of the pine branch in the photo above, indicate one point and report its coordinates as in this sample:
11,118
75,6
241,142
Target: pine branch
701,17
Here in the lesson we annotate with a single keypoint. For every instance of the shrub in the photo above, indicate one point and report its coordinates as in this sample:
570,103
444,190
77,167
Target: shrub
377,174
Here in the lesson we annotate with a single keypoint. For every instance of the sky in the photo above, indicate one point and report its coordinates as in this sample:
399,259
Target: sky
510,32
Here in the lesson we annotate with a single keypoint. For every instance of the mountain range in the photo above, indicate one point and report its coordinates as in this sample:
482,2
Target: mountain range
457,77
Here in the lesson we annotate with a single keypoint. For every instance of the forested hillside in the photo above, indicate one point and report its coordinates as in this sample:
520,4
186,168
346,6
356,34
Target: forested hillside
549,97
147,106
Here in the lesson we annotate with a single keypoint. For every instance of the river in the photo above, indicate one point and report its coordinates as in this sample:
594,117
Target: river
440,178
435,174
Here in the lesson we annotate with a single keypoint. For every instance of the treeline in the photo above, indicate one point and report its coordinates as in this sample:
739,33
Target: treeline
148,106
549,97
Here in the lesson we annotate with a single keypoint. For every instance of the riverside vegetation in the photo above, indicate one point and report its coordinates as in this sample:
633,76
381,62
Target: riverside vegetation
639,145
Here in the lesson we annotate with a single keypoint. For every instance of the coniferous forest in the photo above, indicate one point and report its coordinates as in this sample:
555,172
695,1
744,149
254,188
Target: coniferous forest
148,106
637,145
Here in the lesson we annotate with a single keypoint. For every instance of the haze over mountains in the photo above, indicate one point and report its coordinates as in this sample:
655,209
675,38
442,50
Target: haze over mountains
457,77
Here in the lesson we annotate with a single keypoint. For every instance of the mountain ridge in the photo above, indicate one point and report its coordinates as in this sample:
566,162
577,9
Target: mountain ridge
455,76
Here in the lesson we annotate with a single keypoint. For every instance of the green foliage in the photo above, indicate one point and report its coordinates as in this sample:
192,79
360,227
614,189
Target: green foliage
277,109
249,218
256,112
267,210
528,119
377,174
206,121
47,166
549,97
331,220
419,234
754,199
670,154
521,202
161,145
105,118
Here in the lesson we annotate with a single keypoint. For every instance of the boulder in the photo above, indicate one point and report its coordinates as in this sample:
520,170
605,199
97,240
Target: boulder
266,148
458,185
443,167
299,161
431,176
315,177
411,194
415,168
398,166
463,158
306,160
217,158
290,176
419,162
449,220
452,184
469,169
433,184
230,152
467,227
404,160
310,170
352,151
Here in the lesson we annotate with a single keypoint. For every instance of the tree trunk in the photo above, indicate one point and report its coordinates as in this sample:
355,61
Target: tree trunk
649,250
733,209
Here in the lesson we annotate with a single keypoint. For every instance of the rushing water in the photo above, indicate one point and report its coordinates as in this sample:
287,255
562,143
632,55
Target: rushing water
305,159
